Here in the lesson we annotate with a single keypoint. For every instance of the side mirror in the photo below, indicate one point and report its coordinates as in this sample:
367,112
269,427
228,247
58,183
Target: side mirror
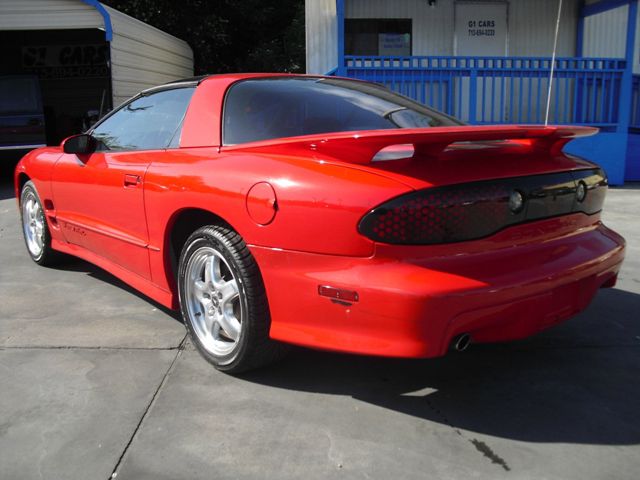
79,144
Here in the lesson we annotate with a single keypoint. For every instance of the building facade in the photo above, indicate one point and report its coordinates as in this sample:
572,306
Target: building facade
490,62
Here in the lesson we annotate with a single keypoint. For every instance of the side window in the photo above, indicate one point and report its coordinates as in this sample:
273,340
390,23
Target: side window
148,123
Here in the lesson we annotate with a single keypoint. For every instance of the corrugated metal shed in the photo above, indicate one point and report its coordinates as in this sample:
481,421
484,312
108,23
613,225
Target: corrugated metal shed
48,15
141,55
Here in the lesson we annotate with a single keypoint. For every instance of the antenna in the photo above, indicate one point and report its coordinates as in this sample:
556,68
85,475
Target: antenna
553,64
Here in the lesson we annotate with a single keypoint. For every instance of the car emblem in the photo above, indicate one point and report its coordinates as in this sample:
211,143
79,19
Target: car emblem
516,201
581,192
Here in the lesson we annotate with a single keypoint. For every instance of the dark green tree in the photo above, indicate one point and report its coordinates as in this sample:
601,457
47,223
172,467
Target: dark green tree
230,35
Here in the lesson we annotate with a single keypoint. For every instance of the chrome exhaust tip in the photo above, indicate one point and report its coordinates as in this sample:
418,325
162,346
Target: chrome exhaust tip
461,342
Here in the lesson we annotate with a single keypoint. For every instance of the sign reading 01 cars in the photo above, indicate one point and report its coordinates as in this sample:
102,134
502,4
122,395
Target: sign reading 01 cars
481,29
66,61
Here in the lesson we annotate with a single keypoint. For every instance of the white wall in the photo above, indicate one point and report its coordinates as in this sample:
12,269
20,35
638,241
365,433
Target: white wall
531,24
432,26
321,36
605,35
532,27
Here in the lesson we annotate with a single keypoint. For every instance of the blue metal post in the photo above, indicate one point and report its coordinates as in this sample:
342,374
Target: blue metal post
342,68
626,88
580,30
473,96
579,86
108,31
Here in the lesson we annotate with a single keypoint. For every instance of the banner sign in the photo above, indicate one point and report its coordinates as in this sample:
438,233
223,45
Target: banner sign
66,61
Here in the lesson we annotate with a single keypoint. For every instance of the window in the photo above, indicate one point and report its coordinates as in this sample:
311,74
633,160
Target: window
262,109
19,94
147,123
370,36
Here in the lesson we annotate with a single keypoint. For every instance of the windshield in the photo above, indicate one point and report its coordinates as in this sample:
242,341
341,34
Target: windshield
262,109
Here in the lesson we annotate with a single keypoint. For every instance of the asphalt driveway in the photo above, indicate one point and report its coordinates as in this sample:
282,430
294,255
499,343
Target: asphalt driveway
98,381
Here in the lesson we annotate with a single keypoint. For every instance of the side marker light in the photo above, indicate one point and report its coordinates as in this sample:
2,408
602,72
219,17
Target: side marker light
337,293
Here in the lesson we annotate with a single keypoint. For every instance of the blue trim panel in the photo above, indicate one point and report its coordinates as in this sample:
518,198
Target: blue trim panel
635,113
606,149
601,6
632,168
108,30
580,33
341,70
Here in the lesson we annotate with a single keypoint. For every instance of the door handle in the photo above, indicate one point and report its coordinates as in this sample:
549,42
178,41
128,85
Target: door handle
131,180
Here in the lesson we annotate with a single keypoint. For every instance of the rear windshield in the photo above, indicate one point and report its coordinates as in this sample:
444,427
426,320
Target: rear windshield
262,109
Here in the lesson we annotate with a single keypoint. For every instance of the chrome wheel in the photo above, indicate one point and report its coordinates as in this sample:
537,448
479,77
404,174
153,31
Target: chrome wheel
223,301
33,224
213,301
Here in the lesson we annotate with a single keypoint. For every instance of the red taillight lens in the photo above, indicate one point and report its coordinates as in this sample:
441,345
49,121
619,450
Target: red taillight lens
469,211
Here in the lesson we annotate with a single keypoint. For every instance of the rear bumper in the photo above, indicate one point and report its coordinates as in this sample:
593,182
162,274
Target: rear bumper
410,305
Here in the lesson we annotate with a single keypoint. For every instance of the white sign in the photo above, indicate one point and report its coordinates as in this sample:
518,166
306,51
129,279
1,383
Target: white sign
481,29
394,44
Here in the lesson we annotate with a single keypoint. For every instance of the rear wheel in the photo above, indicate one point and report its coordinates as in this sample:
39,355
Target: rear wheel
223,301
34,227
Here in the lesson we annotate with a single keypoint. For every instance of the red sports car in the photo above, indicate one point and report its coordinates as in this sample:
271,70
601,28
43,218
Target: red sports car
324,212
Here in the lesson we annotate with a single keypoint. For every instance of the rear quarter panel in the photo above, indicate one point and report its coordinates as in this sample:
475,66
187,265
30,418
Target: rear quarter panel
319,204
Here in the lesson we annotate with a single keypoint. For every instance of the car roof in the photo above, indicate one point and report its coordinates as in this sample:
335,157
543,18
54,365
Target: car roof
198,79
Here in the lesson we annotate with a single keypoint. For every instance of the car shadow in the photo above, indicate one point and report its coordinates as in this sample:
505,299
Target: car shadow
6,184
577,383
635,185
74,264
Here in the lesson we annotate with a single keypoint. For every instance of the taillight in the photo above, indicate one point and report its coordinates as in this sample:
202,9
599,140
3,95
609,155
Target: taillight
469,211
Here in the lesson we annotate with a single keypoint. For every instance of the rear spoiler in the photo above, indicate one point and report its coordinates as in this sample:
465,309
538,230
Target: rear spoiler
361,147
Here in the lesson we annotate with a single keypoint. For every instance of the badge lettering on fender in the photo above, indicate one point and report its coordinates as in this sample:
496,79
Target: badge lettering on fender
75,229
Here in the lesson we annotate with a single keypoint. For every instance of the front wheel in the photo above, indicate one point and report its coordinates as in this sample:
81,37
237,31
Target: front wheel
223,301
34,227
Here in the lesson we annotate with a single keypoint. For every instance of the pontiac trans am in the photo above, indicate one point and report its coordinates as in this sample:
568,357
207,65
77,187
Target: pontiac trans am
324,212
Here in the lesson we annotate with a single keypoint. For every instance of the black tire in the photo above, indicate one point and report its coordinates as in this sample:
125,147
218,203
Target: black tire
252,348
45,256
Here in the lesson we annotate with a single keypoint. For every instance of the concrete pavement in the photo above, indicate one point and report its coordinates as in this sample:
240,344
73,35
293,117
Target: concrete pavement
98,381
